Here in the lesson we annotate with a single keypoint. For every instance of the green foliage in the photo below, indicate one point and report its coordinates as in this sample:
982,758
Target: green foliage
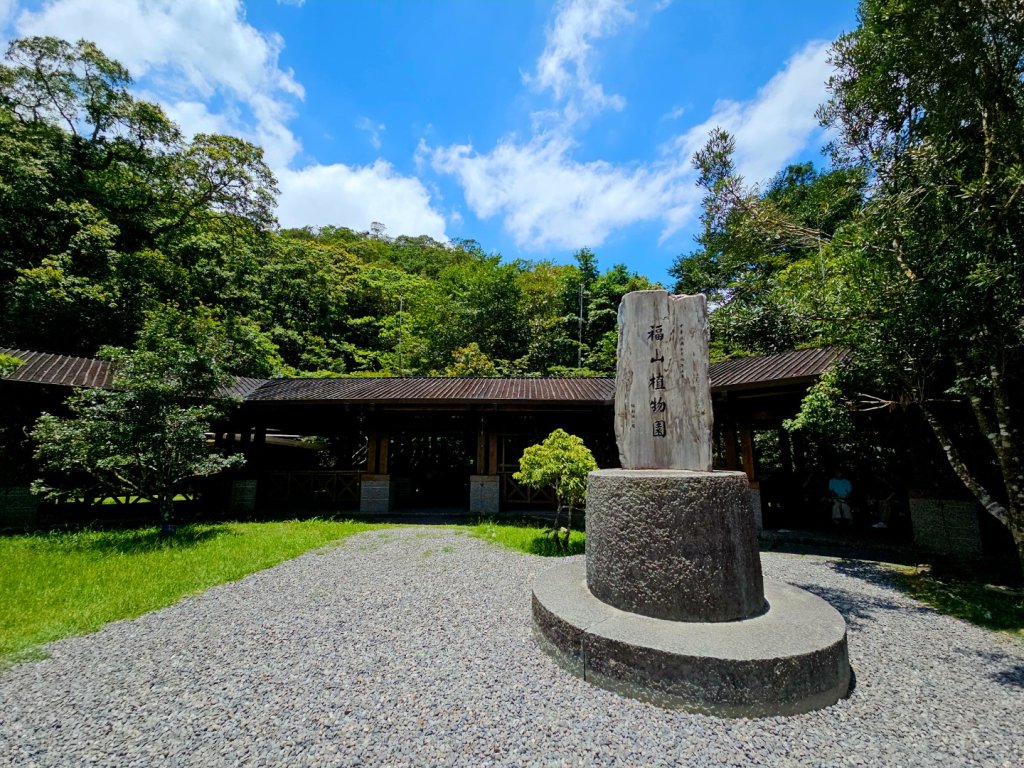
561,462
826,417
928,99
146,436
470,361
108,213
9,364
908,252
750,244
62,584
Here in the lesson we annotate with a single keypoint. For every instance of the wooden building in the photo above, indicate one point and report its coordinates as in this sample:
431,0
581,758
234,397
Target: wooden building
382,444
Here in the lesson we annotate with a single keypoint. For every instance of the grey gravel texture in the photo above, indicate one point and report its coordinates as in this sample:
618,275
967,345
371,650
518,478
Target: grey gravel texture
413,647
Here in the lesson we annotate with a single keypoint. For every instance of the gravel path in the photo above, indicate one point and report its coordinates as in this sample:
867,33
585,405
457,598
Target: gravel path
413,647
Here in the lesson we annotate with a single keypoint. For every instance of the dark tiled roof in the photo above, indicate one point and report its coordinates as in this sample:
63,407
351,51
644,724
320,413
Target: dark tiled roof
797,365
802,365
450,390
60,370
69,371
245,386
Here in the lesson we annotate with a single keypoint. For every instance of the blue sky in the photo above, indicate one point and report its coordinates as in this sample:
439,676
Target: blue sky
531,126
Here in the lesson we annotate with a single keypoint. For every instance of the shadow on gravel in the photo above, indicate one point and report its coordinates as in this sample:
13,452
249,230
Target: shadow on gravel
859,608
1008,670
1013,677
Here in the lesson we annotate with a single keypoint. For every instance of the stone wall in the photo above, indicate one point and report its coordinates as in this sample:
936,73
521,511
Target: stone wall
485,494
376,494
946,526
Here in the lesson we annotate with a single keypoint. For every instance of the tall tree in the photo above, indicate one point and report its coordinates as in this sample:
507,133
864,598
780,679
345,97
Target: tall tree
929,98
146,435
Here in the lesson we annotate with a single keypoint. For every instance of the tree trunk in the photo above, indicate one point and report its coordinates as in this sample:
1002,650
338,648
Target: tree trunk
1011,515
165,505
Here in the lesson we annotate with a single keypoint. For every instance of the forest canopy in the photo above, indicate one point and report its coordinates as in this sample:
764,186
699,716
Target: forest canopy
107,213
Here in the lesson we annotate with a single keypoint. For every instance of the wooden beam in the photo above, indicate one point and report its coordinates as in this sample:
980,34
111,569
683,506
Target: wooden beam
492,461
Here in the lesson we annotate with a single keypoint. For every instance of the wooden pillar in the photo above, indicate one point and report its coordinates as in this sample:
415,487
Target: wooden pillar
382,453
732,458
747,449
492,461
481,446
372,440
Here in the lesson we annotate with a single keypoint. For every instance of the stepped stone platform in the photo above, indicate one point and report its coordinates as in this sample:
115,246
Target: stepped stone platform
788,660
670,606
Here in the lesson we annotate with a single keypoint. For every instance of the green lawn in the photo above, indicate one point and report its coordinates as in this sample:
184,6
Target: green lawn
987,605
59,584
527,537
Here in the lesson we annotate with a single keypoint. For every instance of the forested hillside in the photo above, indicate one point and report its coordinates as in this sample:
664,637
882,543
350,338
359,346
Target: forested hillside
107,213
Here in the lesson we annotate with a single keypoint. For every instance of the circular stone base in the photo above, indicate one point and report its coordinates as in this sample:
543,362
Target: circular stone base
788,660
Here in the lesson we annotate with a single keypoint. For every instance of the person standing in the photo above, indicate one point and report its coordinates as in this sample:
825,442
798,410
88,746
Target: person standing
841,488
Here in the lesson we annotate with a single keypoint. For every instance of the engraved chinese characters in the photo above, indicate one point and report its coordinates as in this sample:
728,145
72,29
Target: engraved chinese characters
663,412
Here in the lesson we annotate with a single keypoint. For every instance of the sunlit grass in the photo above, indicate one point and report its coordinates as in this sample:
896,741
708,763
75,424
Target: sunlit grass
987,605
60,584
526,537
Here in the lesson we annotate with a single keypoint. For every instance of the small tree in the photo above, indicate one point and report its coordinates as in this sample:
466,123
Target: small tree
146,435
562,462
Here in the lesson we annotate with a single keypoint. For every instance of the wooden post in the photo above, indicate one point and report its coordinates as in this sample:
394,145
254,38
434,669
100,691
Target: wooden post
747,448
492,462
732,459
481,441
382,453
371,452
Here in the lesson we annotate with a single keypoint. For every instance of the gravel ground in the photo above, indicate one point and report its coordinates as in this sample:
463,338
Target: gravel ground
413,647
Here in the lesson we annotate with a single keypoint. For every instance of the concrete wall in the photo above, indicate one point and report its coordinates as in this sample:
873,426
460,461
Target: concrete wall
946,526
485,494
376,494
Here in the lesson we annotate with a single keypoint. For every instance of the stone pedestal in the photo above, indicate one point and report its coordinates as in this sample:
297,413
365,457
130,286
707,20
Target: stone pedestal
484,494
673,544
671,607
376,494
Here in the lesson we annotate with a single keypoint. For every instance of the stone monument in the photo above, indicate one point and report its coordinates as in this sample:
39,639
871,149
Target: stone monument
670,605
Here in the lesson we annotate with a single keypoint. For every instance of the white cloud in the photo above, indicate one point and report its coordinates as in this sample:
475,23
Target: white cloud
776,125
214,72
565,66
355,197
7,8
190,53
547,198
674,114
373,129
